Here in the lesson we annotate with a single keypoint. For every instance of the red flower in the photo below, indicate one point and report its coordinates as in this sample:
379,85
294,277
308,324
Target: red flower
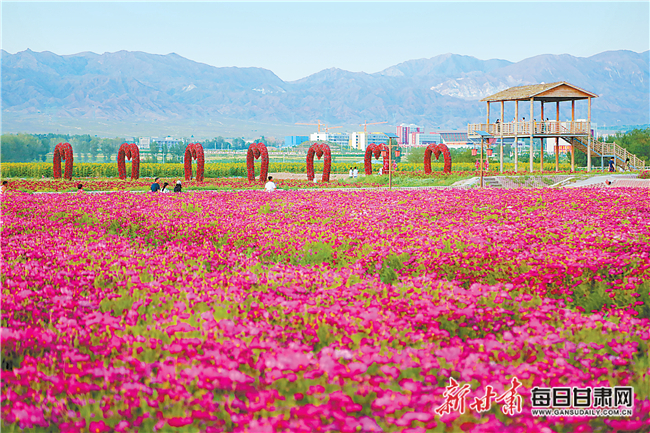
99,427
319,149
378,150
179,422
132,152
255,150
436,149
194,151
63,151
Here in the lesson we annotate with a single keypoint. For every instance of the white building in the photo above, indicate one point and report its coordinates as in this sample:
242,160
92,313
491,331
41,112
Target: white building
342,139
422,139
144,143
169,141
357,140
361,140
318,136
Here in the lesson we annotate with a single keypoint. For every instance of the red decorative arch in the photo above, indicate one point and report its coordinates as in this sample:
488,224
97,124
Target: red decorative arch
437,149
63,151
129,151
378,150
319,149
255,150
194,151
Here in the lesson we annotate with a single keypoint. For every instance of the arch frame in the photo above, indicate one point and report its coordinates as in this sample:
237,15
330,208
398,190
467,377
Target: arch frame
437,150
194,151
319,149
257,150
129,151
376,150
63,151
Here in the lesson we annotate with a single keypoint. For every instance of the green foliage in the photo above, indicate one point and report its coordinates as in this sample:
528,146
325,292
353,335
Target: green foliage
416,155
118,306
392,263
317,253
23,147
636,141
191,207
266,209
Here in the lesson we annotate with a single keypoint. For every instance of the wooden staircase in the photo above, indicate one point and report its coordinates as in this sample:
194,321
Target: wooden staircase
607,150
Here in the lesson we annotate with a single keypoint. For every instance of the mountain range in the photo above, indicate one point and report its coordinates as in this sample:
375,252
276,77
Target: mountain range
442,92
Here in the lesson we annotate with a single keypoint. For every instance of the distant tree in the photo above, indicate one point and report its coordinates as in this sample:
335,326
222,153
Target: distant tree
154,148
238,143
416,155
462,155
178,150
81,146
93,148
44,148
636,141
165,151
22,148
109,147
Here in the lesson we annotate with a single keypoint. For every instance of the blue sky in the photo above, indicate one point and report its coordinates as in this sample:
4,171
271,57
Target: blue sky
296,39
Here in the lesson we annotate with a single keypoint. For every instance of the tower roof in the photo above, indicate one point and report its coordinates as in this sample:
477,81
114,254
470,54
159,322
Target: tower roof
551,92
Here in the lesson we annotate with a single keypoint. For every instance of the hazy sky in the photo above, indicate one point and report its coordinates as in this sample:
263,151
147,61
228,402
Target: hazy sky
296,39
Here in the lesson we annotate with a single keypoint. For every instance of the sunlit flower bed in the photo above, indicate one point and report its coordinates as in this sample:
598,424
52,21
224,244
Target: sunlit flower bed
89,184
319,311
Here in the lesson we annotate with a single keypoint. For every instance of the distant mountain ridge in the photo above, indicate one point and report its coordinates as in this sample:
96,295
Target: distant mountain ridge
440,92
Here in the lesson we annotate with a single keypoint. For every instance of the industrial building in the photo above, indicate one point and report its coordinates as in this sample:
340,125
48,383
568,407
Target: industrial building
295,140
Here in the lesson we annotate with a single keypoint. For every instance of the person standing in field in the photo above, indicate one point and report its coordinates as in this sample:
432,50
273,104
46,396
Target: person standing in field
355,172
270,185
612,169
5,185
351,173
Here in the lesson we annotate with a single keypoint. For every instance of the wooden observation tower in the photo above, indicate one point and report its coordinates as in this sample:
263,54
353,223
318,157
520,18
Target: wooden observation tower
577,133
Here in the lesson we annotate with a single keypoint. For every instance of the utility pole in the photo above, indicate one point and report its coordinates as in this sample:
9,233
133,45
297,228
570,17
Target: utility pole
390,163
481,162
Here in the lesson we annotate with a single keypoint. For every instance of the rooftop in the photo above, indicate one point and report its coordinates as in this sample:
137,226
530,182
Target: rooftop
551,92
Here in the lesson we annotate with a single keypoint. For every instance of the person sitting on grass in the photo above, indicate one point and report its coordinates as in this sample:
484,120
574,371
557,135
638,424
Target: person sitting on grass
178,186
164,188
270,185
80,188
155,186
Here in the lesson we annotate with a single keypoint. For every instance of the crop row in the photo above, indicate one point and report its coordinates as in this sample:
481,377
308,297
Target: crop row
213,170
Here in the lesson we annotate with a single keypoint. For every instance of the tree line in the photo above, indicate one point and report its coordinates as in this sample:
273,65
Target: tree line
87,148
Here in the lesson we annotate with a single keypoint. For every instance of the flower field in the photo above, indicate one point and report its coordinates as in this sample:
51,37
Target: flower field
221,169
320,310
90,184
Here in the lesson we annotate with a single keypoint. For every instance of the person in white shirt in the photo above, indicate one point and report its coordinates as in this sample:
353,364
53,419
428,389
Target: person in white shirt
270,186
351,172
355,173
